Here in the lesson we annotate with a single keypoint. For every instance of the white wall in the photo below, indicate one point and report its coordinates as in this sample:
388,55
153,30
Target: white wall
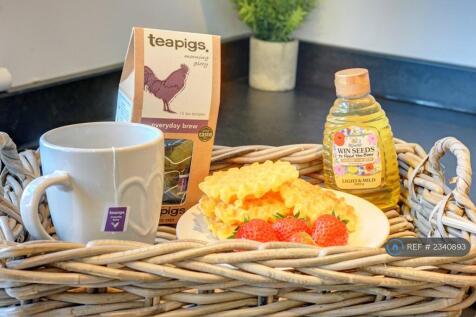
436,30
45,39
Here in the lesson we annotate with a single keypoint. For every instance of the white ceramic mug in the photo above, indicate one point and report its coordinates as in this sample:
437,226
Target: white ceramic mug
103,180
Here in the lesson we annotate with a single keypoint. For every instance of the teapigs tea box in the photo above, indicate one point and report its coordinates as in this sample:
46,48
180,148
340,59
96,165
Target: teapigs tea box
171,80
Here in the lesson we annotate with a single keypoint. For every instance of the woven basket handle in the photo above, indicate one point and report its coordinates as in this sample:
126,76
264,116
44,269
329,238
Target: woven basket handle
439,220
463,166
9,156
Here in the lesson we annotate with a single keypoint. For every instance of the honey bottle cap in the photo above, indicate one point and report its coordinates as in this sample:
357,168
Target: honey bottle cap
352,82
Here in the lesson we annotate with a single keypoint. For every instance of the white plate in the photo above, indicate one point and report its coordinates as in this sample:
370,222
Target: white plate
372,229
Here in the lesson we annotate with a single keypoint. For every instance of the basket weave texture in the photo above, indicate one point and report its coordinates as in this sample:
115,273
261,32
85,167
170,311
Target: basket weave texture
192,278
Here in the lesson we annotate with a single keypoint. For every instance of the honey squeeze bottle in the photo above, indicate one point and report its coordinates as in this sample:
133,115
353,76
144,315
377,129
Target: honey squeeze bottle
359,153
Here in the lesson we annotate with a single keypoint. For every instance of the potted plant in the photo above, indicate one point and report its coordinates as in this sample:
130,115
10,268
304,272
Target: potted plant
273,50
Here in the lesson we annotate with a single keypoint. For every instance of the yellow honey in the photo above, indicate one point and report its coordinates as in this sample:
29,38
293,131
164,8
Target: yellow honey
359,152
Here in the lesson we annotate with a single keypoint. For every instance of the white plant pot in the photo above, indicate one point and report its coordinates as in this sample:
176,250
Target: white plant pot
273,64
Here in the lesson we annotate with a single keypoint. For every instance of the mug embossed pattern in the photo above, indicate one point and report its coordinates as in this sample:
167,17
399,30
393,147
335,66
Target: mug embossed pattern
119,278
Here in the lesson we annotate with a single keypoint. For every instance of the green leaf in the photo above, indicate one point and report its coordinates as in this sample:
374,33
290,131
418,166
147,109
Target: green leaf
297,214
278,215
273,20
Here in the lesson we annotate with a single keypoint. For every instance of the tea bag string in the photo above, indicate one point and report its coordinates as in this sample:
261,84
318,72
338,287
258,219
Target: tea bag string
114,176
179,162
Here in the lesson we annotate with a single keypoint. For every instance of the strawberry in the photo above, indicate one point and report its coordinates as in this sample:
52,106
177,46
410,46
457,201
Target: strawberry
328,230
302,237
288,226
256,229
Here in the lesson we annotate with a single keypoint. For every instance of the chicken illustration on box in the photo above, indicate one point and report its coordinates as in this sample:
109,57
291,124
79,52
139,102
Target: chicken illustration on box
166,89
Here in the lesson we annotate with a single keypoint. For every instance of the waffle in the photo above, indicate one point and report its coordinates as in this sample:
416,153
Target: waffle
266,191
251,181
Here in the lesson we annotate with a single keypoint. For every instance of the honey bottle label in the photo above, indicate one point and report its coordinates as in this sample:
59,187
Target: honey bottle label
356,159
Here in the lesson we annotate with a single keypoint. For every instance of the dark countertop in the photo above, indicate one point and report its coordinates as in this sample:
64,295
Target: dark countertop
249,116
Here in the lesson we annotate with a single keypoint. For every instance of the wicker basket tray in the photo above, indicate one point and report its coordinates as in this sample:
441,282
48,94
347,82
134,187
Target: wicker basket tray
186,278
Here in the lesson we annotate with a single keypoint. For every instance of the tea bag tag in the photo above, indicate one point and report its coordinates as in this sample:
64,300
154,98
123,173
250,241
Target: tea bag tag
116,219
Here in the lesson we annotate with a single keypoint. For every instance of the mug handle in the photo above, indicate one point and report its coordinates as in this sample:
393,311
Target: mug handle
30,201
